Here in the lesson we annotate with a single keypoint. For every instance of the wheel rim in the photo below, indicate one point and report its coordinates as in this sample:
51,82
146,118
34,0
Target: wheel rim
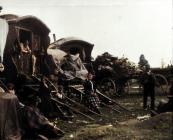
107,87
162,87
70,93
133,86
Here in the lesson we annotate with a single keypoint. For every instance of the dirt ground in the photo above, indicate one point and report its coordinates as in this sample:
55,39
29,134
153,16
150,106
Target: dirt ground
136,124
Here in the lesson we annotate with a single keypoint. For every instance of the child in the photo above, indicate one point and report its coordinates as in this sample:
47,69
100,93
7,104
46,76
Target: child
10,87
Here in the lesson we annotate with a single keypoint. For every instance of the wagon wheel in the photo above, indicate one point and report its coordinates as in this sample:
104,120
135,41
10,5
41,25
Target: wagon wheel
133,86
161,85
127,87
51,85
122,89
107,86
70,92
74,94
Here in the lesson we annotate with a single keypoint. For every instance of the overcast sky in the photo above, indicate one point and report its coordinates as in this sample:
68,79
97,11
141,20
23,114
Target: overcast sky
120,27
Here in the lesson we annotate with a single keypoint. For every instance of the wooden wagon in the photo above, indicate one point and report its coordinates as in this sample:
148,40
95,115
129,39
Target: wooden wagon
21,29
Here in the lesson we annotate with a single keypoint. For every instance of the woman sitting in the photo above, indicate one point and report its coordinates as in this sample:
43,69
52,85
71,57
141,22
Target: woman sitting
91,98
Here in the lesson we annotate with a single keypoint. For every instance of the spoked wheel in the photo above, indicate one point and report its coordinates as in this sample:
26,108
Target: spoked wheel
127,88
133,86
122,89
161,85
107,86
69,91
74,94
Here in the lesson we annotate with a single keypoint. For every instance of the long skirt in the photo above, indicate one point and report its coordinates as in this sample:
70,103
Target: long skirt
93,101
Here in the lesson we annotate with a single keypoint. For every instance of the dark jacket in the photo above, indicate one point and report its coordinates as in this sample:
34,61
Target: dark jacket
149,80
89,87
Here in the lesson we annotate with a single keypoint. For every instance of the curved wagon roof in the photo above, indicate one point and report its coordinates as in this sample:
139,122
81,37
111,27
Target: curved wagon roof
23,28
66,44
30,21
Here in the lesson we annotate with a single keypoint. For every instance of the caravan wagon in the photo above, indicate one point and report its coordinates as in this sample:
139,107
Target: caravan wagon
21,30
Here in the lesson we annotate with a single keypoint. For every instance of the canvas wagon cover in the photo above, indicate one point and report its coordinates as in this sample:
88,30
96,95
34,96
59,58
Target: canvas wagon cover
67,43
31,22
3,35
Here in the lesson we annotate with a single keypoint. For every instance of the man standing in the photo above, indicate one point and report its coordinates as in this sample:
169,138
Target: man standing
149,89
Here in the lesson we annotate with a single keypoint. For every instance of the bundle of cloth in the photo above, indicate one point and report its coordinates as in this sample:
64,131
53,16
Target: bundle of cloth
73,67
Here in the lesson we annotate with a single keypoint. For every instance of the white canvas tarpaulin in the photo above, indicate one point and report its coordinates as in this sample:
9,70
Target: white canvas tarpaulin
73,67
3,36
57,54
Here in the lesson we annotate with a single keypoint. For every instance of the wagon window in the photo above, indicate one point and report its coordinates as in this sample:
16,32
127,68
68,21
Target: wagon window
25,35
25,41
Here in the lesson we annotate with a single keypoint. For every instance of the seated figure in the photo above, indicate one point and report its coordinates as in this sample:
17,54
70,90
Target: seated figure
25,57
91,98
73,67
34,123
9,116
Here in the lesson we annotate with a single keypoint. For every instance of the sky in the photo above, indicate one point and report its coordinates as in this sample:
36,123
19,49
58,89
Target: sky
126,28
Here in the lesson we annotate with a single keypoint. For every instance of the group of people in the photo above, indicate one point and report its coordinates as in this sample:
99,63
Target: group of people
24,121
36,123
148,81
74,72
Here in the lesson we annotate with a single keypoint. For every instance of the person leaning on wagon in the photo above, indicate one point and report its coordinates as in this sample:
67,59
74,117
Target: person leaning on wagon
25,47
34,53
91,98
149,83
34,59
25,56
